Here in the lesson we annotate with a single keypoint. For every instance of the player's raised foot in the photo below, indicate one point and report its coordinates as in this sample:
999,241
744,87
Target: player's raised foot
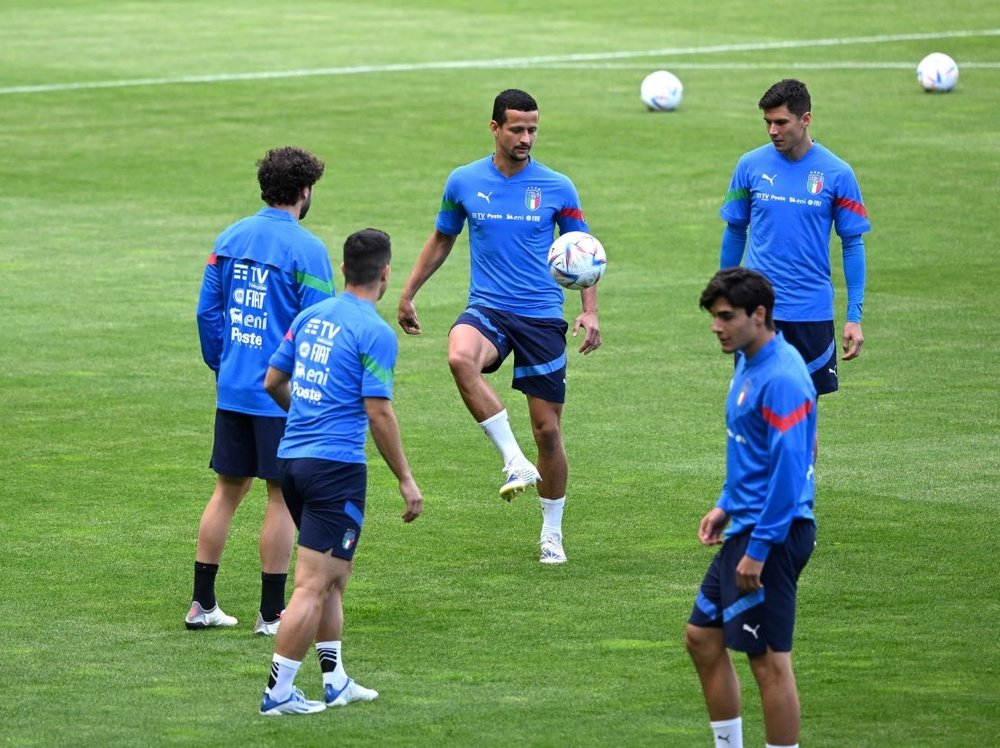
199,618
552,549
520,475
296,703
350,692
266,628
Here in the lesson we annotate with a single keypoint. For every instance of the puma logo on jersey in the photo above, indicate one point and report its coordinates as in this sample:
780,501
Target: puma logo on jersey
485,196
769,179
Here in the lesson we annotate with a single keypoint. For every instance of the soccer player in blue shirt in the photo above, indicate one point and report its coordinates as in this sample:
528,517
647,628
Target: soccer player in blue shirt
790,193
333,373
513,206
263,271
747,598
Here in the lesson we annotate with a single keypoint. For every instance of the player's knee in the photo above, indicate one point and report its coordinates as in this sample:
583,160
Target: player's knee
462,364
548,434
772,669
701,643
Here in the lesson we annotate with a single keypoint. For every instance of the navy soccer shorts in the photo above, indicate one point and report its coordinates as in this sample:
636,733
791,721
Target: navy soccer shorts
765,618
247,446
815,341
327,501
539,347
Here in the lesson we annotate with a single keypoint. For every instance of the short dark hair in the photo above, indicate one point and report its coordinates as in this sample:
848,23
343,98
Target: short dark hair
744,289
788,92
366,252
512,98
284,172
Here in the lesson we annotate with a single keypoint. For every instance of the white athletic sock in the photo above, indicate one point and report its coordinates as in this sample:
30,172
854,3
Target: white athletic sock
552,513
728,733
283,672
332,664
498,429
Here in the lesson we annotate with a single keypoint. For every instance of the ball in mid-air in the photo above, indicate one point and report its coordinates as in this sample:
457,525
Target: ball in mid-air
937,73
661,91
577,260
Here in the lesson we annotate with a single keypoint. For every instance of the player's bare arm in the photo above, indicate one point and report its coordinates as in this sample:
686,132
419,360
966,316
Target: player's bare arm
278,386
587,319
435,251
385,432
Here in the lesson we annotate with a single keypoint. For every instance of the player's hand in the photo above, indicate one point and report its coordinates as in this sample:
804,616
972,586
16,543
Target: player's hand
414,501
853,340
407,317
711,526
748,572
592,331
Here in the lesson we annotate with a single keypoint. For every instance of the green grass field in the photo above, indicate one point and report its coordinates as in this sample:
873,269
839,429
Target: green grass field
129,133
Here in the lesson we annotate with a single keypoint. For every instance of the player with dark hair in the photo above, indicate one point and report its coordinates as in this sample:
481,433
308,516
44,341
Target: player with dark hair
263,270
790,193
513,206
334,375
747,599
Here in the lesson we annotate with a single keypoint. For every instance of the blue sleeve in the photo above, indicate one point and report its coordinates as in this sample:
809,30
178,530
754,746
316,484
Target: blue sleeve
570,217
786,409
313,274
855,268
378,357
734,242
725,503
211,315
283,359
451,213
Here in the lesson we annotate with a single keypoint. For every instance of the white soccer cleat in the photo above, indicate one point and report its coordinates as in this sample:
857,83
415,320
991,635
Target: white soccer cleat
520,475
296,703
350,692
199,618
267,628
552,549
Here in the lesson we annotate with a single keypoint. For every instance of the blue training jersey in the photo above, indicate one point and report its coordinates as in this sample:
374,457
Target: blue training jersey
791,207
512,222
263,271
338,352
771,426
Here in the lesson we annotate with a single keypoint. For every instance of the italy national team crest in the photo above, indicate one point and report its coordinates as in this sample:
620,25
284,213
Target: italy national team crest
349,538
814,184
532,198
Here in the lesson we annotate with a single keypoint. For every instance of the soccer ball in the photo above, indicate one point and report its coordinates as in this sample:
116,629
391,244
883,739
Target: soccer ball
577,260
937,73
661,91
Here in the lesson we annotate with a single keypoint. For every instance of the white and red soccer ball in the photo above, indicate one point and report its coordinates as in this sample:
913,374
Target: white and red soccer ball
937,73
577,260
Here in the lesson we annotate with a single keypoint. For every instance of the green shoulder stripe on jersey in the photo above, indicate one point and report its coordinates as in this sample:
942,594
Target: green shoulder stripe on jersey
447,205
372,367
313,282
733,195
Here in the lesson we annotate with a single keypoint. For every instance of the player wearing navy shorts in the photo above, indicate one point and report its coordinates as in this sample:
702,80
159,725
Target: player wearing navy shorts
765,512
790,193
263,270
513,206
333,373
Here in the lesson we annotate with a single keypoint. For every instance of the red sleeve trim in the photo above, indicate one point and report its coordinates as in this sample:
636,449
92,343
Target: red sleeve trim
571,213
783,423
852,205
